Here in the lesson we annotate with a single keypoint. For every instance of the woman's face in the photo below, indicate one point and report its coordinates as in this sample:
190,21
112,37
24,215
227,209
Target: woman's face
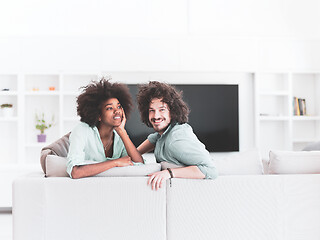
111,113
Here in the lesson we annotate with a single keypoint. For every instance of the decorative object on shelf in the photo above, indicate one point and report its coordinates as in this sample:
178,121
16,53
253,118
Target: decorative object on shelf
5,89
35,89
52,88
299,106
7,110
42,125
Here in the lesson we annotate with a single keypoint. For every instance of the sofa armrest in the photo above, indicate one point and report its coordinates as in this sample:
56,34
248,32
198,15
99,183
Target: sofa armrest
28,202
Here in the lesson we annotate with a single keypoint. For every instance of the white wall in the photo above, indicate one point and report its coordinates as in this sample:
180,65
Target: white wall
200,35
255,18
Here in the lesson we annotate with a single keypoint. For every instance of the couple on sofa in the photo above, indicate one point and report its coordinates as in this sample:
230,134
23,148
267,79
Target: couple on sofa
101,135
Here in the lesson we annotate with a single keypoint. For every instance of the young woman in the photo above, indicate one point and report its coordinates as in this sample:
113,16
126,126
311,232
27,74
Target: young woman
100,138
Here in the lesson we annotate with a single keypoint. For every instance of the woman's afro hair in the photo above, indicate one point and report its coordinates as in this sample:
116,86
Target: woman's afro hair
91,99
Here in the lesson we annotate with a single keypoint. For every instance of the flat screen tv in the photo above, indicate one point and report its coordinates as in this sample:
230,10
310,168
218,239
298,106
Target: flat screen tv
214,116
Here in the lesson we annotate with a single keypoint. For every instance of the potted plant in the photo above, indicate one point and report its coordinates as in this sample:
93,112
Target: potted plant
42,125
7,110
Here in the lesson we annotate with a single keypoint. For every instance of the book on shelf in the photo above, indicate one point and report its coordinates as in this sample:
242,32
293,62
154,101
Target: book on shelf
304,108
299,106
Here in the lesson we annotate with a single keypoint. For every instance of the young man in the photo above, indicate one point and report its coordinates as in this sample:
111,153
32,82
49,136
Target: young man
162,108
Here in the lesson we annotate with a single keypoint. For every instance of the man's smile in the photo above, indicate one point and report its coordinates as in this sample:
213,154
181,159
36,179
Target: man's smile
157,121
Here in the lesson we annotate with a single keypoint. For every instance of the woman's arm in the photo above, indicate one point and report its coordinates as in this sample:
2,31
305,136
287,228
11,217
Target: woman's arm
145,147
77,167
131,149
94,169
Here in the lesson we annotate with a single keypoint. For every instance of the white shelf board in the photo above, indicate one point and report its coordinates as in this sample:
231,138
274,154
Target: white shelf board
305,118
71,119
71,93
42,93
8,93
8,119
273,118
304,140
274,93
36,145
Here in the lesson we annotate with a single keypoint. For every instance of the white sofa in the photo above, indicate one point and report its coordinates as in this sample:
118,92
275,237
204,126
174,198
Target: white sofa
277,206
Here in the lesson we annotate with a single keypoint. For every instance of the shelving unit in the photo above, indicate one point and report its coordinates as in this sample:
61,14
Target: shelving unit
30,94
275,126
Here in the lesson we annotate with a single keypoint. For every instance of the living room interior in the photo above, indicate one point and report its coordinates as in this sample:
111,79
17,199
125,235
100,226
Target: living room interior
269,50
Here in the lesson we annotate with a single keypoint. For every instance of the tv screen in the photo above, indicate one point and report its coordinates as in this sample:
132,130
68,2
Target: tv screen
214,116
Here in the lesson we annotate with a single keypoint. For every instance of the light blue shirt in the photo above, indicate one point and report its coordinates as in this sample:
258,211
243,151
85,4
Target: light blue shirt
86,145
180,146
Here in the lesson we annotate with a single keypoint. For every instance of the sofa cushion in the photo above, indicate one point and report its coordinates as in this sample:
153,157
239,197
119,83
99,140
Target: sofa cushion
242,163
56,167
58,148
312,147
289,162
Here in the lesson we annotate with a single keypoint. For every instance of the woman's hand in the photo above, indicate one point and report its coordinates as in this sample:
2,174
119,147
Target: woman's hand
120,128
131,149
123,162
156,179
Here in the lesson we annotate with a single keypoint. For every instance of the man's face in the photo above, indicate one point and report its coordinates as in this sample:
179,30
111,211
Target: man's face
159,115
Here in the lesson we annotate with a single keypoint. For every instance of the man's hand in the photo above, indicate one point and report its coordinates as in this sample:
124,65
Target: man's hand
156,179
123,162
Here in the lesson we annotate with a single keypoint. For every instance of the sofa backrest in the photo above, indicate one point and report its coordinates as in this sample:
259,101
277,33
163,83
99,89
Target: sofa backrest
246,207
251,207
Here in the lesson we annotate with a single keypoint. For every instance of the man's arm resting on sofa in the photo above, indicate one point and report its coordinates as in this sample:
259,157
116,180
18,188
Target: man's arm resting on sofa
188,172
158,178
94,169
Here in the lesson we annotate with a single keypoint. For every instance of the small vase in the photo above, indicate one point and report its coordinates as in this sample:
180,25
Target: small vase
7,112
42,138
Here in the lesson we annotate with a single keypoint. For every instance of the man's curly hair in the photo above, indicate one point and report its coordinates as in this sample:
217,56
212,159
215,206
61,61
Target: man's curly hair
179,110
91,99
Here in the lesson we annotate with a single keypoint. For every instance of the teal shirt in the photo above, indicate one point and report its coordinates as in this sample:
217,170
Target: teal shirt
86,146
180,146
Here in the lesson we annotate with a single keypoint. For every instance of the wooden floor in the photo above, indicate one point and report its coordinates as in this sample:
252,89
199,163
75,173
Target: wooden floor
5,226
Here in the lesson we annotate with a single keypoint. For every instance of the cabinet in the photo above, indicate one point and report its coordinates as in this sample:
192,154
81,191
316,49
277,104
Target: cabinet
276,126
